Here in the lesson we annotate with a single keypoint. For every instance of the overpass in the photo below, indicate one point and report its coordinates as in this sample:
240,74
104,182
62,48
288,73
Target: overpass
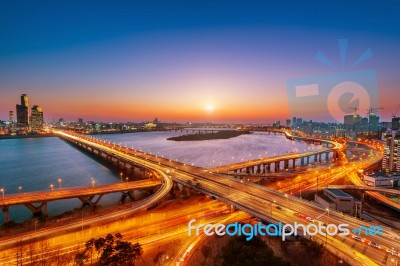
253,199
387,191
37,201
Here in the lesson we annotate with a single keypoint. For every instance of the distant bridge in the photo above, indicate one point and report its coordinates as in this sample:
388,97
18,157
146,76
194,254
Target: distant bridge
287,161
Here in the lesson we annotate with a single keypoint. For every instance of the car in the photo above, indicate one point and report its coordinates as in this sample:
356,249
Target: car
375,245
310,219
279,207
392,251
355,237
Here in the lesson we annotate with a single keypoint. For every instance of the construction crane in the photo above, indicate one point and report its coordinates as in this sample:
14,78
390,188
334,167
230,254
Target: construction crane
395,113
371,110
355,109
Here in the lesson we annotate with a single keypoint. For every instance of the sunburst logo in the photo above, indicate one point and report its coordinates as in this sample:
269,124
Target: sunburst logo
331,97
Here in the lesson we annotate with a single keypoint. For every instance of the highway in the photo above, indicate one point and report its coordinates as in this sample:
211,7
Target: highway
255,200
67,193
149,228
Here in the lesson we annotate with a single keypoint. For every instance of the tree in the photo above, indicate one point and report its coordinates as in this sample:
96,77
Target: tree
111,251
240,252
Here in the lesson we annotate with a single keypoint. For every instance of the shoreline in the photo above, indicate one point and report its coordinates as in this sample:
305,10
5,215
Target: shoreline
27,136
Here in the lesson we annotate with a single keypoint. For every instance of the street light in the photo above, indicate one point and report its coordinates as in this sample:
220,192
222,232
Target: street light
93,183
2,191
52,187
327,209
126,179
19,189
287,197
59,181
120,176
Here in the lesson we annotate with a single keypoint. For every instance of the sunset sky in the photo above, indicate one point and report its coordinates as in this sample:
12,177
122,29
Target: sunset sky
186,60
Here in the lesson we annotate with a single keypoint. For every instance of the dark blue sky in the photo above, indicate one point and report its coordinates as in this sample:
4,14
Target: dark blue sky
73,58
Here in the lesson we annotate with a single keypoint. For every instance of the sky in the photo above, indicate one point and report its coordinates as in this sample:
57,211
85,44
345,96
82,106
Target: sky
195,61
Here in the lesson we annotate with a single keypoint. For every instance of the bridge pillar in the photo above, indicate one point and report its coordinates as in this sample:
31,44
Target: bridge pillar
286,164
302,161
277,166
36,210
89,201
247,170
268,167
6,214
294,163
126,194
334,156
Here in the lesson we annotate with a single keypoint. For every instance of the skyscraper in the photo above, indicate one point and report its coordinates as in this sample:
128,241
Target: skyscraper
391,155
23,111
37,118
373,123
351,121
11,116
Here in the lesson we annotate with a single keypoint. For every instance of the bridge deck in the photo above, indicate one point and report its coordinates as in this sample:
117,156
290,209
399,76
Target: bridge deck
66,193
290,156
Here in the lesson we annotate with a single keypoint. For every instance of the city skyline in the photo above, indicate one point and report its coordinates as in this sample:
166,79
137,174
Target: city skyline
186,62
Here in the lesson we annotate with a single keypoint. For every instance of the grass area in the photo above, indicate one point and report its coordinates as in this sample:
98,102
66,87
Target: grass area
225,134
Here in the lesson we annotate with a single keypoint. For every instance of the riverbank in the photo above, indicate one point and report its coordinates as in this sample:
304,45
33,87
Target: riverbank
27,136
225,134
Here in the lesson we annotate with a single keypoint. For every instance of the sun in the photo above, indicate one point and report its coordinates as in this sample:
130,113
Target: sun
209,108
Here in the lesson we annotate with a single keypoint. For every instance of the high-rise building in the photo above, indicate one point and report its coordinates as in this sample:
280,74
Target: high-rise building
391,154
276,124
37,118
11,116
352,121
294,122
288,122
309,128
299,121
23,111
373,123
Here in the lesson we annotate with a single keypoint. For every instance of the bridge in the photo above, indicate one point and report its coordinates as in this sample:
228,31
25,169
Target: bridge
37,201
287,161
253,199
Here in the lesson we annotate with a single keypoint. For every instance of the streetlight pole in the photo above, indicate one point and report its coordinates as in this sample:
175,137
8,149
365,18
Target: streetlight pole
120,176
2,191
327,209
52,187
19,189
93,183
59,181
